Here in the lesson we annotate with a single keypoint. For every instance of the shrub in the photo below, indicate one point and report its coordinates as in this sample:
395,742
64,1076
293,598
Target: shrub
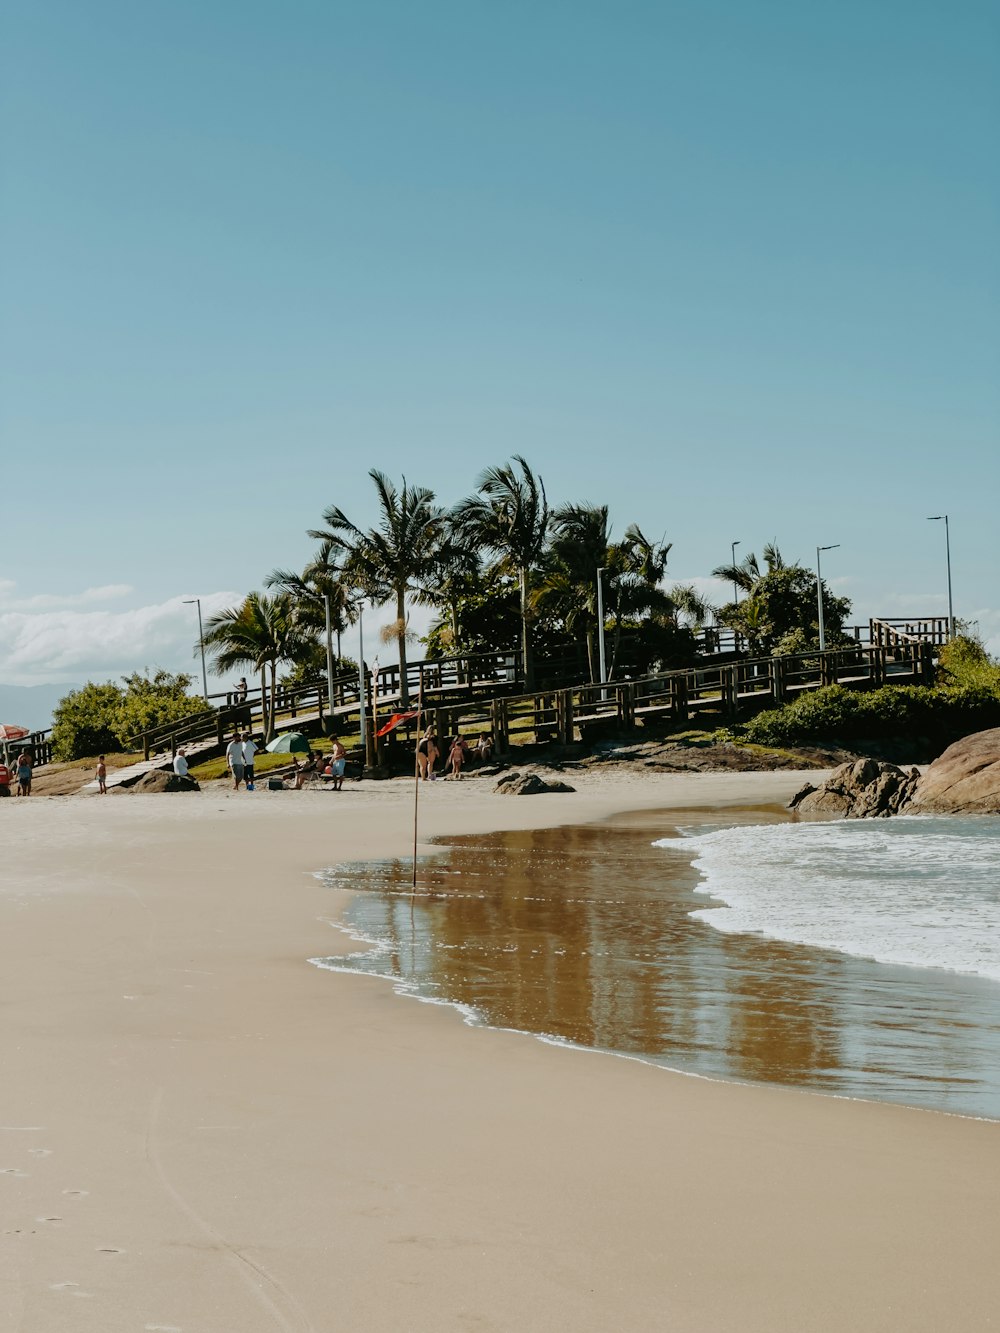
834,714
98,719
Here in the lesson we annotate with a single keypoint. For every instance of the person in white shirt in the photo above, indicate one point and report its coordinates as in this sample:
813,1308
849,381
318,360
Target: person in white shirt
249,750
234,759
181,763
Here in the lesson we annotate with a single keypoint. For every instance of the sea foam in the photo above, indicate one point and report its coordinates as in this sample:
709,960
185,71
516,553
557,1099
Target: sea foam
916,891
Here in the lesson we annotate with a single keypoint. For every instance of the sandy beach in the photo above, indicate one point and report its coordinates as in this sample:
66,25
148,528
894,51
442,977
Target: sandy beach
202,1133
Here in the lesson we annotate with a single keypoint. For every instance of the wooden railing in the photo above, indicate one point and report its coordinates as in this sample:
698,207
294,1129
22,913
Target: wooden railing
38,744
483,689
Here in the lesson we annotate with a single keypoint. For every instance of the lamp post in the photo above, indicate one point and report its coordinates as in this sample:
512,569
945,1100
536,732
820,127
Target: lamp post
736,586
362,684
819,594
600,627
329,653
196,601
936,518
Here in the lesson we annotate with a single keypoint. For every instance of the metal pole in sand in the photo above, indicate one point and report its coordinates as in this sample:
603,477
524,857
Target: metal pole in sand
416,773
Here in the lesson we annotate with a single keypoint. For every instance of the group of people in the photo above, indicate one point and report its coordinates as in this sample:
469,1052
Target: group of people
241,752
459,752
332,767
16,772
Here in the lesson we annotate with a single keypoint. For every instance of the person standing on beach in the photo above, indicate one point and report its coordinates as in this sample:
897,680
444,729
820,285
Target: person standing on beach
338,763
102,775
234,758
24,774
457,755
427,753
249,753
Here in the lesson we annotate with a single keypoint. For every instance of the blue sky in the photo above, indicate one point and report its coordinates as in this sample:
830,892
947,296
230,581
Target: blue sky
732,268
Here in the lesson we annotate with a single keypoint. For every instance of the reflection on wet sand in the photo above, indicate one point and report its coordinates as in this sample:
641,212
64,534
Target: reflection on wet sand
584,934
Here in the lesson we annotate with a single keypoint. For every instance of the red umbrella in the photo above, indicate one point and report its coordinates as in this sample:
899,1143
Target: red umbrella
10,731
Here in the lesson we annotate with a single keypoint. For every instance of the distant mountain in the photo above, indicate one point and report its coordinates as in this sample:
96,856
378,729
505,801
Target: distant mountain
31,705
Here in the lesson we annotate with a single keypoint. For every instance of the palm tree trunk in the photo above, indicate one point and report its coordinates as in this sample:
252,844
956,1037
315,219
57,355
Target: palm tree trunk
590,655
528,664
404,685
274,691
263,702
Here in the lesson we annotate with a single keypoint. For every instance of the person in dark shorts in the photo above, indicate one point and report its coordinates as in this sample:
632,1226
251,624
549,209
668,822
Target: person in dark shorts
234,759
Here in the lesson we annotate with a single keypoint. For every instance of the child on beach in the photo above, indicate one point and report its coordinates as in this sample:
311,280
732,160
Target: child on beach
24,774
102,775
456,755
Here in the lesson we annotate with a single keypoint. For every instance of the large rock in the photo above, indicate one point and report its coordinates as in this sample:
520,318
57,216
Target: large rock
864,789
157,780
964,780
528,784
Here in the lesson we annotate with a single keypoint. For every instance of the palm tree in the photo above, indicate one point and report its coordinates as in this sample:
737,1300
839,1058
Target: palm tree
318,586
510,517
456,574
748,573
390,560
259,633
568,584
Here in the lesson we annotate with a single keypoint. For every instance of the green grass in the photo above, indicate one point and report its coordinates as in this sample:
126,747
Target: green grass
210,769
110,760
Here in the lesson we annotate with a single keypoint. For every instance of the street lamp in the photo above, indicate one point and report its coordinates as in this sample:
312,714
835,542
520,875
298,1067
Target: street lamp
936,518
196,601
736,586
819,594
600,626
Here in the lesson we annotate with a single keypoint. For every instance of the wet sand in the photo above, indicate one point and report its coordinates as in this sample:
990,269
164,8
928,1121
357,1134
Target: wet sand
201,1132
584,934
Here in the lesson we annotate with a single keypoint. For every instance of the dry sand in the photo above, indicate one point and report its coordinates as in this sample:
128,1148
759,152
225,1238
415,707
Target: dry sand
201,1132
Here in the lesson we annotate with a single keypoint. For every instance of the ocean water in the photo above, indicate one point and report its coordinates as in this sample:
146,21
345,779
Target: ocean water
916,891
858,959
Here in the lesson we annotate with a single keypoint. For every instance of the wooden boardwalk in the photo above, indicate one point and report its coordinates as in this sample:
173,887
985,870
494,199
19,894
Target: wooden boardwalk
485,692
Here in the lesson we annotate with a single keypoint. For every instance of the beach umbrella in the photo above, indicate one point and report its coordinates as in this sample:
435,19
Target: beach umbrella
293,742
10,731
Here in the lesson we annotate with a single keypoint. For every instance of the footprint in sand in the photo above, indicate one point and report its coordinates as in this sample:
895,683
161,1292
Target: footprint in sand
162,1328
48,1219
76,1194
13,1171
108,1249
40,1152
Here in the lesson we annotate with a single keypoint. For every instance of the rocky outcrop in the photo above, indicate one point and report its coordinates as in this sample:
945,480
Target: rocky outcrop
528,784
865,789
964,780
157,781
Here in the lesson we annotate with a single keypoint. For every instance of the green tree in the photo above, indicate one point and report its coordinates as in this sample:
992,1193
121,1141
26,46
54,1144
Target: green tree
396,556
259,633
85,722
103,719
148,702
320,583
510,517
779,613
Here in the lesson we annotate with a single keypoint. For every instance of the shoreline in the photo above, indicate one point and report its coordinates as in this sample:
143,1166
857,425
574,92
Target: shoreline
354,940
230,1138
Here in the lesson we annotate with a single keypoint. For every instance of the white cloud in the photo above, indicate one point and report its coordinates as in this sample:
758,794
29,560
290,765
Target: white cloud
50,601
43,645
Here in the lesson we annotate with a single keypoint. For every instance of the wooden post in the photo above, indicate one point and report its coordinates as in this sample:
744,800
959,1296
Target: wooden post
729,690
778,679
